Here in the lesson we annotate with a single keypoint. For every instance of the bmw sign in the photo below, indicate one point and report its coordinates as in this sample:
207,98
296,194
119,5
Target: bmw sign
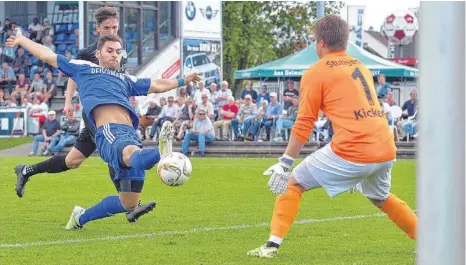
208,12
190,10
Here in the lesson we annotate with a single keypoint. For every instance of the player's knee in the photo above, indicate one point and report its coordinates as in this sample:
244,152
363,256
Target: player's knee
130,205
378,203
129,200
73,162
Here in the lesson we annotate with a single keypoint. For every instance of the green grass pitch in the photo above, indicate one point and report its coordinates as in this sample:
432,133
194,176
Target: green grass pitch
215,218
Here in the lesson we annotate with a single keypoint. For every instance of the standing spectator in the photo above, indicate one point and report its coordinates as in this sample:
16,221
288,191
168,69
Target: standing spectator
47,29
249,91
4,58
152,113
7,77
169,113
207,106
49,87
186,120
202,132
35,30
263,95
382,87
50,134
244,118
37,87
213,100
289,93
390,100
223,94
184,114
227,113
286,121
21,62
48,43
69,135
22,86
200,92
2,98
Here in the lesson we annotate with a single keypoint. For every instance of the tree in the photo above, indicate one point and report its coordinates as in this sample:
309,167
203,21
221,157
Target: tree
258,32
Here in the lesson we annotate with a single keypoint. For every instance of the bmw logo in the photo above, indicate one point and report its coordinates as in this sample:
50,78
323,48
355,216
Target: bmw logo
190,10
208,12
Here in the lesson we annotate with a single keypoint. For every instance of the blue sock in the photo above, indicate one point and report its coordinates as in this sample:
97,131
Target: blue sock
145,159
107,207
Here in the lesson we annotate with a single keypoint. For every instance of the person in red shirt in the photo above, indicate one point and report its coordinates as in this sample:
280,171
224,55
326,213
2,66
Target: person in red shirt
228,112
361,152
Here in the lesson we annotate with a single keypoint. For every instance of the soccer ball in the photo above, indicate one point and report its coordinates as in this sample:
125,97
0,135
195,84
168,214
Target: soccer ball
400,28
174,169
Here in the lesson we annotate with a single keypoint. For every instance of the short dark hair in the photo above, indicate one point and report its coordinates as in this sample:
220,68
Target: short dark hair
105,38
105,13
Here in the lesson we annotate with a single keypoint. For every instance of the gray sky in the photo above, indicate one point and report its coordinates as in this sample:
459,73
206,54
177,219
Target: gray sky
377,11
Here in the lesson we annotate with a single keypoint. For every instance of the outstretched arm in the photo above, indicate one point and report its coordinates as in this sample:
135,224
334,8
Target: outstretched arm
41,52
164,85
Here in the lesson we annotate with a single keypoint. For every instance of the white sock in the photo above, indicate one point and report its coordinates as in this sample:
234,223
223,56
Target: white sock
275,239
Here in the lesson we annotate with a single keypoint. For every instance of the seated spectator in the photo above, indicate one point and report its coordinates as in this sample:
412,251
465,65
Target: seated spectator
153,111
39,68
199,93
169,113
5,58
7,77
10,52
249,91
2,98
47,29
263,95
68,136
49,87
22,86
287,120
289,93
185,120
11,102
35,30
183,114
50,134
409,108
273,111
245,117
206,105
37,87
48,43
227,113
258,120
39,109
26,104
390,100
4,29
202,132
385,108
61,80
21,62
223,94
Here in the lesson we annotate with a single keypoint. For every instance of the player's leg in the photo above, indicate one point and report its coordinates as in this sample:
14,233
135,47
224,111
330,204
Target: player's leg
377,189
81,150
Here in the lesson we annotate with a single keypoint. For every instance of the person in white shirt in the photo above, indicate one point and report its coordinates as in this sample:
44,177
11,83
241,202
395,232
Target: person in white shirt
386,109
169,113
213,99
35,30
199,92
206,106
223,94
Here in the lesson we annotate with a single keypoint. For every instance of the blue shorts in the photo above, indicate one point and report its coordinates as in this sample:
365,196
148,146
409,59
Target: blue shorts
110,140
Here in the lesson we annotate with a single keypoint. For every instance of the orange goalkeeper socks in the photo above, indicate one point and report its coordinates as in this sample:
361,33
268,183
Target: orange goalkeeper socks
285,212
400,213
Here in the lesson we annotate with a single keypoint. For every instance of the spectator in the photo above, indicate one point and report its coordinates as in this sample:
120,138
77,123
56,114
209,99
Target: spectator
37,87
182,92
61,81
22,86
38,67
382,87
2,98
47,29
409,109
223,94
7,77
35,30
249,91
199,93
207,106
263,95
169,113
287,120
50,135
49,86
26,104
68,136
11,102
390,100
273,111
48,43
190,89
39,109
4,29
213,100
228,112
202,132
21,62
385,109
183,114
152,113
289,93
186,118
10,52
76,41
245,116
4,58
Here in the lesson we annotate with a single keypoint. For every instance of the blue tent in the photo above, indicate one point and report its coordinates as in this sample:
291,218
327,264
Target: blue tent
294,65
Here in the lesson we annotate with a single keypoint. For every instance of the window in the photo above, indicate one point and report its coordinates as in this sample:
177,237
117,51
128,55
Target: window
92,35
149,22
165,27
131,35
149,3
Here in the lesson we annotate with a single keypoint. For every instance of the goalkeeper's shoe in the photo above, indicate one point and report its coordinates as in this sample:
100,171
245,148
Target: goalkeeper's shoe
166,138
73,223
263,252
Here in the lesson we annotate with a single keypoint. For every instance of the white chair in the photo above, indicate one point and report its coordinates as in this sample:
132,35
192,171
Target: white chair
396,112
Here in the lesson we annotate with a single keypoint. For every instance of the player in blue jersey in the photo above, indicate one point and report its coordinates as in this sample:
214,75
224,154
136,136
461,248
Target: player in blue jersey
105,98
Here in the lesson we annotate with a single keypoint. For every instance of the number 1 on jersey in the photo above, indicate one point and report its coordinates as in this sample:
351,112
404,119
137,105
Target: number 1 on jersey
357,74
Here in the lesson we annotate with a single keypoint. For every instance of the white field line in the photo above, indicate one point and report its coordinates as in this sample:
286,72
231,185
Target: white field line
179,232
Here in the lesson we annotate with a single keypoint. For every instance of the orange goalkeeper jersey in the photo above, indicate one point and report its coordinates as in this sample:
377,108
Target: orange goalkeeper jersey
343,88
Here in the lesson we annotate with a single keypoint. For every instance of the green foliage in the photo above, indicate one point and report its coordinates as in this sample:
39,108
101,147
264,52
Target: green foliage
258,32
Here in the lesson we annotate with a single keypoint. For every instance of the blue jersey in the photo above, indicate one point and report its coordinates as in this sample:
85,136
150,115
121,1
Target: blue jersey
99,86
